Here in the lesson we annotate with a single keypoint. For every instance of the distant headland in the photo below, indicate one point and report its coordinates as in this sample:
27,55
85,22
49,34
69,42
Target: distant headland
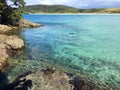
67,9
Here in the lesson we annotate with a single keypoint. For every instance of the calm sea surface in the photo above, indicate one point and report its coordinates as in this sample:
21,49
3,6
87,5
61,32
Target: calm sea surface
80,43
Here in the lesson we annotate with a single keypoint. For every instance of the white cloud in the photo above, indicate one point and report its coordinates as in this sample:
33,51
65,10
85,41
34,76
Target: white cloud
77,3
47,2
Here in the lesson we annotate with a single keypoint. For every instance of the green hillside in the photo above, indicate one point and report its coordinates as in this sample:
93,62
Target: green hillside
101,10
66,9
50,9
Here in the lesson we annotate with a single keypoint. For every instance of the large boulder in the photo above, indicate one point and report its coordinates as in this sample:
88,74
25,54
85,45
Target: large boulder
14,42
28,24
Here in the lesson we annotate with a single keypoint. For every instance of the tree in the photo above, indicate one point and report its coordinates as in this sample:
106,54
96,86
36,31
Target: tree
19,3
9,14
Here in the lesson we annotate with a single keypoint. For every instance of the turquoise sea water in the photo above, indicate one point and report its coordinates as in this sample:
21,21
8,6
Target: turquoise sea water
80,43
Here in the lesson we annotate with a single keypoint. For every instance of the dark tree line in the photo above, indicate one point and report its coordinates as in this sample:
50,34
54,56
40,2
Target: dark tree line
11,14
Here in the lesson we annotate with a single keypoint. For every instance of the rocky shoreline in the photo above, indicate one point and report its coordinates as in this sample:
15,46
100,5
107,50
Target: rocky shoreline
45,79
8,42
12,42
50,79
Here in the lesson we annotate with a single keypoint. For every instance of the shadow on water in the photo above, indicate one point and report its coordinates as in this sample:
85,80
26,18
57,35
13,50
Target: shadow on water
50,23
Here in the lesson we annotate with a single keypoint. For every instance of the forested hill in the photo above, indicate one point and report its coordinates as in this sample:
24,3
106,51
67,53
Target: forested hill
66,9
50,9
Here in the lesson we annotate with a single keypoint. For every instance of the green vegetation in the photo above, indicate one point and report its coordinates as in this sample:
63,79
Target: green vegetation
11,15
66,9
101,10
50,9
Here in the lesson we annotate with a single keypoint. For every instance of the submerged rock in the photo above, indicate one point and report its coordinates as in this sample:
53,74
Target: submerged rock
27,24
49,71
80,84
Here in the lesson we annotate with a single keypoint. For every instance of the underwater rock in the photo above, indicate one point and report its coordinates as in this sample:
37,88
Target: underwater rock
71,33
49,71
27,24
74,67
80,84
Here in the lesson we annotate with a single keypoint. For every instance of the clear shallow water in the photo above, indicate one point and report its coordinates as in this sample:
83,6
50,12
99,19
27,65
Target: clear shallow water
80,43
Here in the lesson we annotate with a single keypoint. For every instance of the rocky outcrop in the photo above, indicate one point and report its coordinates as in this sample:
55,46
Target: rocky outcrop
40,81
5,28
14,42
50,79
8,42
11,42
28,24
3,58
21,24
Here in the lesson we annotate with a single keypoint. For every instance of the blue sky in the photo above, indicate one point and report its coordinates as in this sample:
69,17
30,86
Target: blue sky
78,3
